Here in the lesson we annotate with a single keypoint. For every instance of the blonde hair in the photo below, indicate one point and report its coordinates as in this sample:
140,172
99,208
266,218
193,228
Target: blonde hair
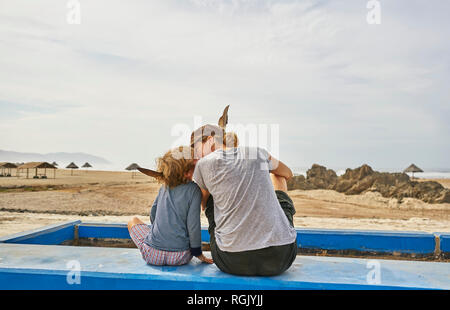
231,139
174,165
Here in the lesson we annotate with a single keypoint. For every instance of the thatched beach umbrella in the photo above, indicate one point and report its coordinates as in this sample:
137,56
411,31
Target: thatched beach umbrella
9,166
38,165
86,165
54,163
412,168
132,167
72,166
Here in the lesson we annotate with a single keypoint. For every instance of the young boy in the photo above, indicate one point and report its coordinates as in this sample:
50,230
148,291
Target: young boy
174,236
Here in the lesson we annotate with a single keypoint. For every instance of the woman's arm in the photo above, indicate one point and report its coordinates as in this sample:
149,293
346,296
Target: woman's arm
280,168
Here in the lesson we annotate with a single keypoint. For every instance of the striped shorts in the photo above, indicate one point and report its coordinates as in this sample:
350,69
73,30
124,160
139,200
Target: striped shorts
154,256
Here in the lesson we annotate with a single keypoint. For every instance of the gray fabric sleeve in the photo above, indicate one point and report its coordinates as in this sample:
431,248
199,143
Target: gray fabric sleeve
154,207
266,163
198,177
193,220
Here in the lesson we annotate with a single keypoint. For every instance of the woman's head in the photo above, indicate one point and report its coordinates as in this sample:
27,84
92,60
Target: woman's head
176,166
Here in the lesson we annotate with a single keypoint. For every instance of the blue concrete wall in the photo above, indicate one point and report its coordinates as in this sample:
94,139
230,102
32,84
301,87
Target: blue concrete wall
94,230
370,241
29,280
32,260
46,267
48,235
319,239
444,243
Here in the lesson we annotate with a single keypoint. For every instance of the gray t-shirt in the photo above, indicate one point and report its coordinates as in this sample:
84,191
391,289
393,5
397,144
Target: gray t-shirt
247,213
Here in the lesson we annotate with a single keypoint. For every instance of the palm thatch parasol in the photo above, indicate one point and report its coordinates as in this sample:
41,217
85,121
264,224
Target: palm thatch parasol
412,168
9,166
38,165
132,167
86,165
72,166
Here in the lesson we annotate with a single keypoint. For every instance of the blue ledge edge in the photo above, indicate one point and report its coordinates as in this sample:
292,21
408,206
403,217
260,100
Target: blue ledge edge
444,241
324,239
51,234
51,267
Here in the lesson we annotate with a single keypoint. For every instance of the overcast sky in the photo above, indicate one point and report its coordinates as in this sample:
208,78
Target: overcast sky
119,84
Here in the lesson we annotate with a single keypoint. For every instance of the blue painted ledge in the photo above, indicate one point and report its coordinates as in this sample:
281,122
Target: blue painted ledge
34,260
387,242
367,241
444,243
99,230
25,266
51,234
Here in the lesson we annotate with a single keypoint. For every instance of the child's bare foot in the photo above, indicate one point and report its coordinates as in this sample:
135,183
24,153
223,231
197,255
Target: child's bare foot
134,221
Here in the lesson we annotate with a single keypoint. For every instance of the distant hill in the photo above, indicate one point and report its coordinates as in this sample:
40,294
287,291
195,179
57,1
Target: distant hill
60,157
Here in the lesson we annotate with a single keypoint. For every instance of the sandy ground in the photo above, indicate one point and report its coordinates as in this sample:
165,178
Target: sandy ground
67,177
113,197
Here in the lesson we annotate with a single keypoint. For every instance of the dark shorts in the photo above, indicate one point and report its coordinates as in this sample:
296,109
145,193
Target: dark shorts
269,261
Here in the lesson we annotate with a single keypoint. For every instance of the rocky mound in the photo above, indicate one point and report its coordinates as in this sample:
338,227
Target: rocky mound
299,182
364,179
321,177
318,177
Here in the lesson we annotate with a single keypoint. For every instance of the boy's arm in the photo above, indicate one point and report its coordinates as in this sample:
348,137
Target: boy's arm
194,227
193,224
198,178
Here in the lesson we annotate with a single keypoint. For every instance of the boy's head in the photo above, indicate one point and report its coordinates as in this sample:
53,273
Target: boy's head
176,166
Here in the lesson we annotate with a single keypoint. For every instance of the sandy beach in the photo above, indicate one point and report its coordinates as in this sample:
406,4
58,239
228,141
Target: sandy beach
113,197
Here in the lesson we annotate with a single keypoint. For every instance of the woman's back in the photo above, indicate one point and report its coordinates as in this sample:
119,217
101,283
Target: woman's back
247,213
